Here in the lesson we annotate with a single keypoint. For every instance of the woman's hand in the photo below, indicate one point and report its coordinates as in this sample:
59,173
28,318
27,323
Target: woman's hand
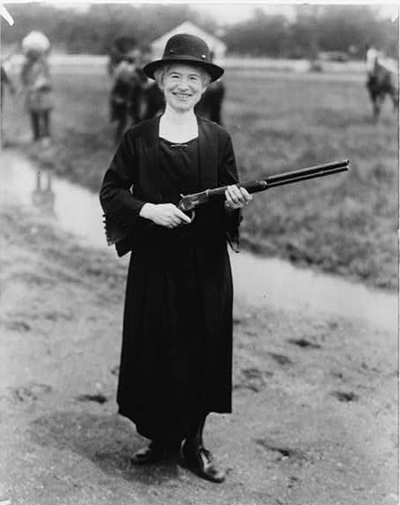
164,214
237,198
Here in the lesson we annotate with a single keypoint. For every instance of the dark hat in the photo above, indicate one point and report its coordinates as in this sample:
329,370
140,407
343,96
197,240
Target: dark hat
185,48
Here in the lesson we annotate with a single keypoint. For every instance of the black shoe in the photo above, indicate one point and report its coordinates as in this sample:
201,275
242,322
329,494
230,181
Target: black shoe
154,453
200,460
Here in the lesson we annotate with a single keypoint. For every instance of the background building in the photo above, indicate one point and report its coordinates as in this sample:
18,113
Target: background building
216,45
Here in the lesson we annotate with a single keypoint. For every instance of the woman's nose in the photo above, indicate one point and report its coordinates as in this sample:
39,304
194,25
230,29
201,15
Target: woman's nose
183,83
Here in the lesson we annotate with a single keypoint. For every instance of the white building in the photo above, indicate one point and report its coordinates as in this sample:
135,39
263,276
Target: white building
216,45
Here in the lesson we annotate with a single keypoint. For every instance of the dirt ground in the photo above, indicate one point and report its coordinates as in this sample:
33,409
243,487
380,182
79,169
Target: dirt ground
315,397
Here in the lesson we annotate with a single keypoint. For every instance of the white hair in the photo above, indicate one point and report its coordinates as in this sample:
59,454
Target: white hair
161,72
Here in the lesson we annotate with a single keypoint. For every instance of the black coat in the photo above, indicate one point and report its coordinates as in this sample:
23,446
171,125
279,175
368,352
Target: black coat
177,332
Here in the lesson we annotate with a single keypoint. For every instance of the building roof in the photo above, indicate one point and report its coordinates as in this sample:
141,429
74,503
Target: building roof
216,45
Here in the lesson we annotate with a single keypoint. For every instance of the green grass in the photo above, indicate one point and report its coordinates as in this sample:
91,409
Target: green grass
346,224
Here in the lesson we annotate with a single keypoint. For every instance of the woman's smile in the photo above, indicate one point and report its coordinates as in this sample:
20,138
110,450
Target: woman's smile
183,87
182,96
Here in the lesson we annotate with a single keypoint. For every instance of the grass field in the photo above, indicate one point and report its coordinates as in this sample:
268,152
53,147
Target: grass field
346,224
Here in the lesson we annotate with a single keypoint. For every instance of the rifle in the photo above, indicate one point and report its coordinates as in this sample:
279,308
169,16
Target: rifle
115,233
189,202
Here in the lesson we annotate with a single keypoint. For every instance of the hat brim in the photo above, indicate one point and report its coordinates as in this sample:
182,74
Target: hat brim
213,70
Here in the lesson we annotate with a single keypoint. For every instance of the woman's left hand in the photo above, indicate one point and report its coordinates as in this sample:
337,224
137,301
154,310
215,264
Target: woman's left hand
237,198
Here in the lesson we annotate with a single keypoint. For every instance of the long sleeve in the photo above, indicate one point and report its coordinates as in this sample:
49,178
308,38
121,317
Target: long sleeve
123,224
228,175
115,195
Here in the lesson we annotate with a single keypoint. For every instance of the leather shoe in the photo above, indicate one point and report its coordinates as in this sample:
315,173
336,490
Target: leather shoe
200,460
154,453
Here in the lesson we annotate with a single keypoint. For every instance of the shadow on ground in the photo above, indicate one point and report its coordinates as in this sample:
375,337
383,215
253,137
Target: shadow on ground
106,440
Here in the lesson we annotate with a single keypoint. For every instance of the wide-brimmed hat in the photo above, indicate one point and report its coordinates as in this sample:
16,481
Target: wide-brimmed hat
185,48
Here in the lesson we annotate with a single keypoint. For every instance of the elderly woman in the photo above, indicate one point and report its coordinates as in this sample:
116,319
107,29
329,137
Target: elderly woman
176,358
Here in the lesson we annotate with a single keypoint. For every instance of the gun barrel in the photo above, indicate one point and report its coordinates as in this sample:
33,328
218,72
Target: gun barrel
307,173
304,176
190,201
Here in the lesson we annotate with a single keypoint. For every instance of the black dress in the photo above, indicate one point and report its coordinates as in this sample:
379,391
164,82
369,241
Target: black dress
177,375
181,344
176,357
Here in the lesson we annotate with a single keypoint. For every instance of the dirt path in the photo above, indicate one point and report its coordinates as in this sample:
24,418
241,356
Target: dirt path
315,397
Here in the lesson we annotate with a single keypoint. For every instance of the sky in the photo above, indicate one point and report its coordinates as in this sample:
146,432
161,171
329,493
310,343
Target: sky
233,12
228,12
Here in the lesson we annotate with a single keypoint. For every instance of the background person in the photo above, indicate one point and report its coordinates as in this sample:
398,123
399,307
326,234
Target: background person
125,93
176,359
35,78
210,105
152,101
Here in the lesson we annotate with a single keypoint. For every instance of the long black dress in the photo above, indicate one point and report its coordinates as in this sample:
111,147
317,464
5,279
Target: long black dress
176,358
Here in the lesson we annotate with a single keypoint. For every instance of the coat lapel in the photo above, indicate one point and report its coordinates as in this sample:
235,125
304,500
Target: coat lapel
149,155
208,147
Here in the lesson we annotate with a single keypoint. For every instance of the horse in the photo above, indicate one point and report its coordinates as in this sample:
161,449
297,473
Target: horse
381,83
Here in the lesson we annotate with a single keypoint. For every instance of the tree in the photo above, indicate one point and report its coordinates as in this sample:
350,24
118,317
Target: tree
315,27
261,35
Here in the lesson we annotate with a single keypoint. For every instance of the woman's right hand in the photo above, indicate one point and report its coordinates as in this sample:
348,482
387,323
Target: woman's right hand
164,214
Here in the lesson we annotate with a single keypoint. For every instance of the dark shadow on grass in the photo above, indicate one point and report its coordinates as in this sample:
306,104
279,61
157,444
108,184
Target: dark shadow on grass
106,440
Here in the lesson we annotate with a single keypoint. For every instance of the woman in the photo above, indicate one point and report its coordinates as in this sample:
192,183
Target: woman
176,357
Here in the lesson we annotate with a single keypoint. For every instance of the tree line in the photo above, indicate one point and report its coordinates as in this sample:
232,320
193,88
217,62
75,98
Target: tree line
315,28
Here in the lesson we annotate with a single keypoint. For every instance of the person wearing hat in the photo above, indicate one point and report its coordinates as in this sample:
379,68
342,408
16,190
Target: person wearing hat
176,357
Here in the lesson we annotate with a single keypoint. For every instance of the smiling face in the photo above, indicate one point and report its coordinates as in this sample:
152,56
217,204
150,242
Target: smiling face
183,86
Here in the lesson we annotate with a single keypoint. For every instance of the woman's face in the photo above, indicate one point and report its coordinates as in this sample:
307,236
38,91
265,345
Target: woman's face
183,86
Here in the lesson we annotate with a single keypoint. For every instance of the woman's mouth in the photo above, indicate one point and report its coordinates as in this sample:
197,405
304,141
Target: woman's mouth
182,96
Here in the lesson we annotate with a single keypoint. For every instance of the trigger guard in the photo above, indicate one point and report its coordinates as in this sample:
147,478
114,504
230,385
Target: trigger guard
189,213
